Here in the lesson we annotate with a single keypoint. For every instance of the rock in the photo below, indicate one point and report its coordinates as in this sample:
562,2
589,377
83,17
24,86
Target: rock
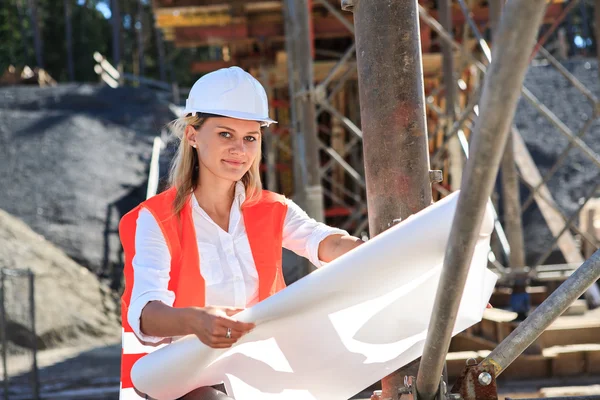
71,304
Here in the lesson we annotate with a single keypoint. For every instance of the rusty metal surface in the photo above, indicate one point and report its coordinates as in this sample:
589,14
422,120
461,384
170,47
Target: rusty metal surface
392,108
469,387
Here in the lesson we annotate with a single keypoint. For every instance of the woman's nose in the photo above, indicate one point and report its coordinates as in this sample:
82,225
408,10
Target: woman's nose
238,147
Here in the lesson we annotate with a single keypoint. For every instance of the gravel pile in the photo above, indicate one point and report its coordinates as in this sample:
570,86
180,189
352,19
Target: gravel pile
73,160
577,175
71,305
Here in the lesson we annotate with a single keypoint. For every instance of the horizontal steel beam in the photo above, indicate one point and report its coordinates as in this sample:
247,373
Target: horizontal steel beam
541,318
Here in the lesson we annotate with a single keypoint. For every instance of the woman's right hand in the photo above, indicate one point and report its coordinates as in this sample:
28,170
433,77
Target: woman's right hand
210,325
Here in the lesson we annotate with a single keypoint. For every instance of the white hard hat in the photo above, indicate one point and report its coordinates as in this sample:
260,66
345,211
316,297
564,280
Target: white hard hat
230,92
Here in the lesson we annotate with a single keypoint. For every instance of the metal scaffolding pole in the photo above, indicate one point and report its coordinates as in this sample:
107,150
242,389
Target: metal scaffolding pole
307,176
510,180
454,150
597,20
515,343
516,37
392,108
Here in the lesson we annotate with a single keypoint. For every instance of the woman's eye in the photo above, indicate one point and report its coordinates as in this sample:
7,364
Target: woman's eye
225,134
251,138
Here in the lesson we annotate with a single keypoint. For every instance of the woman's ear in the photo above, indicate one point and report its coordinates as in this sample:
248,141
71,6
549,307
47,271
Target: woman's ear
190,135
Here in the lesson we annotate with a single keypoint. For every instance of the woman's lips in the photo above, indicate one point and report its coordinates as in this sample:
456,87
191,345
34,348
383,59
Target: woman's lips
233,163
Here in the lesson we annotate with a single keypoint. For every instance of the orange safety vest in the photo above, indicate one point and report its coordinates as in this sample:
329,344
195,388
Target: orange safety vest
264,226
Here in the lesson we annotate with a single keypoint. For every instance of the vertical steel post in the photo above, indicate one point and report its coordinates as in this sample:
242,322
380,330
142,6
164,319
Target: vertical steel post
34,371
597,18
392,109
501,90
269,138
511,198
445,9
304,117
3,332
298,145
308,115
455,154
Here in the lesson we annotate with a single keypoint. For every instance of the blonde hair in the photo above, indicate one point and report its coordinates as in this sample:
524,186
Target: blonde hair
184,172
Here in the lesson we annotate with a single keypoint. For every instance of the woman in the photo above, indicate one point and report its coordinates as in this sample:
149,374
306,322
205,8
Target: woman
210,245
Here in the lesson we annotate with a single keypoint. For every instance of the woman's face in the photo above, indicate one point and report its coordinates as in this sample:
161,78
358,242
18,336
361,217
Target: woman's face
227,147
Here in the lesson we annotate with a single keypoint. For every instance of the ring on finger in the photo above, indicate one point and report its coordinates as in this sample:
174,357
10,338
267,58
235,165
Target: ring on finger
228,334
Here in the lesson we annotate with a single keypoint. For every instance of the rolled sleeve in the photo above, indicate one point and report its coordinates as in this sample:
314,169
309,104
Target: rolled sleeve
303,234
151,272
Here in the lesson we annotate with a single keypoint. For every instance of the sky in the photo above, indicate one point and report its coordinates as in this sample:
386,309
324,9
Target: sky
104,7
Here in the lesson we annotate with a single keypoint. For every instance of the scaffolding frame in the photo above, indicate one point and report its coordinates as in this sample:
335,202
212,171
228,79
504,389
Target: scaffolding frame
488,115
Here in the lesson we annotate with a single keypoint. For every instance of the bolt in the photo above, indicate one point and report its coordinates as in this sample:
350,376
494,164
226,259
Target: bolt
348,5
484,378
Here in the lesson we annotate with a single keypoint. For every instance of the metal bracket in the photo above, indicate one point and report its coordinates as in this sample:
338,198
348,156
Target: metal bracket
410,390
436,175
348,5
477,382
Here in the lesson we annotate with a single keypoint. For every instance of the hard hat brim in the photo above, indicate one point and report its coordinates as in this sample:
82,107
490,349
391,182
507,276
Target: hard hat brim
265,121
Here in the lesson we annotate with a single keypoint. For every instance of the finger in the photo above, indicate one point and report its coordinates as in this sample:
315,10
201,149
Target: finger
221,332
236,325
489,306
222,346
232,311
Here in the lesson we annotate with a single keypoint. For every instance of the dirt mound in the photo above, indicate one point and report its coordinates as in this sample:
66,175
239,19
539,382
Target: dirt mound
72,306
73,160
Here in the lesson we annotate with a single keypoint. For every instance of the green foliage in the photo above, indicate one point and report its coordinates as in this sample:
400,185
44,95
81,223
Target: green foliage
91,32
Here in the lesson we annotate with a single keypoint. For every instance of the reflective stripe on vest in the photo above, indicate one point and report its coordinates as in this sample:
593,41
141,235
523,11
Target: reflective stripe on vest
264,226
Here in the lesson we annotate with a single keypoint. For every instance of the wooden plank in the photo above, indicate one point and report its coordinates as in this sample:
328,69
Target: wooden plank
466,342
565,391
193,19
501,296
571,330
545,201
573,360
499,315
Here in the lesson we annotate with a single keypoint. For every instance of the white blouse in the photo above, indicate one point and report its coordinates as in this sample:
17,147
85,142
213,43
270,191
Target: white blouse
227,265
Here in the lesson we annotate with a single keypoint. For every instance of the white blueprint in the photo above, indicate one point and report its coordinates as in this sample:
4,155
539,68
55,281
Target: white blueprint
338,330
